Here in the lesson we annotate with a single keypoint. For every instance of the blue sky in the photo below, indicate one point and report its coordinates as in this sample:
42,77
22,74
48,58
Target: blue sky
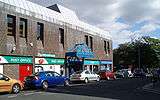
124,19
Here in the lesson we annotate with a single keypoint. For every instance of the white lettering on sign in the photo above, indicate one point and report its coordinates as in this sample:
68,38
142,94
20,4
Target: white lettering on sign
28,68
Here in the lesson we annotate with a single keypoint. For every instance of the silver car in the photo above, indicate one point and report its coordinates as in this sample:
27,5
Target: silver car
84,76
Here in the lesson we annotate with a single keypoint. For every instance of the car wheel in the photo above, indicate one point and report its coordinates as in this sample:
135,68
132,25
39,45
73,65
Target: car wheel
16,88
86,80
66,83
45,85
98,79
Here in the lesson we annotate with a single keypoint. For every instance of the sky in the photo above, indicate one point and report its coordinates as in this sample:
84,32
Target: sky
125,20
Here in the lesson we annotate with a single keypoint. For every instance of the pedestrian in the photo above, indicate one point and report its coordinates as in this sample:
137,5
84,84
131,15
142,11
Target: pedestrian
61,70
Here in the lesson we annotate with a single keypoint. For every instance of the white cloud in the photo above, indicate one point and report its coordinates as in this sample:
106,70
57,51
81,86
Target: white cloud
149,28
103,13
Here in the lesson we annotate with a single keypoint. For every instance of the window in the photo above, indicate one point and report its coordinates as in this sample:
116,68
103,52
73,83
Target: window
23,27
11,23
61,36
56,74
108,46
105,46
49,74
2,77
87,72
91,43
86,39
40,31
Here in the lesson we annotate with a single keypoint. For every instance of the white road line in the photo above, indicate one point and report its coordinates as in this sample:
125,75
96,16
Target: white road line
12,96
26,94
152,91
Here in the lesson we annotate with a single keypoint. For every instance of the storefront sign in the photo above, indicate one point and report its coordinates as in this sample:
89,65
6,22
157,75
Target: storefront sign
106,62
49,61
15,60
45,55
91,62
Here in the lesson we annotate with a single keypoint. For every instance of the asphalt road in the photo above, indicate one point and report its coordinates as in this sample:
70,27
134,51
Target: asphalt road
128,89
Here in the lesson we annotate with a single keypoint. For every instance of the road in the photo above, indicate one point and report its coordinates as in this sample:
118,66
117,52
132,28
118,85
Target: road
121,89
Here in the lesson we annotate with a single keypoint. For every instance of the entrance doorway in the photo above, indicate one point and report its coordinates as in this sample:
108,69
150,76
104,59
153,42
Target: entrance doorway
24,71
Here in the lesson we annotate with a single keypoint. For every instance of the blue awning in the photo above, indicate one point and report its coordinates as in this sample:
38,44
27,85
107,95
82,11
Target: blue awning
91,62
80,54
106,62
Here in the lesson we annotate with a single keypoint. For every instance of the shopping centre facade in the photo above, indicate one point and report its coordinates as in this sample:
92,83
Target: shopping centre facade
35,38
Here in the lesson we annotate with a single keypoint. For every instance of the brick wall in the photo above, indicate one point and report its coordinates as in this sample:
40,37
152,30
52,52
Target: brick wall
11,70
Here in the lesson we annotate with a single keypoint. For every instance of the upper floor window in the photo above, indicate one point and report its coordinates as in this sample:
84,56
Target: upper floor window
86,39
23,27
11,23
105,46
91,42
61,36
40,31
108,46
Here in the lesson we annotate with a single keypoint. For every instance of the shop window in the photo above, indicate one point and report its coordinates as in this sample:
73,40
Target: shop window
23,28
61,31
91,43
86,39
11,23
40,31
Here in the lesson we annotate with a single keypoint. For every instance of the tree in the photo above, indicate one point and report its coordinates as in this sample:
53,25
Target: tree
143,52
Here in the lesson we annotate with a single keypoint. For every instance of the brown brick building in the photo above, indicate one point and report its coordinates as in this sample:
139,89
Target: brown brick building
33,35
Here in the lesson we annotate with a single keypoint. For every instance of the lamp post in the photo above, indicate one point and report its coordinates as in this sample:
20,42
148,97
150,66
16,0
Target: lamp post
139,56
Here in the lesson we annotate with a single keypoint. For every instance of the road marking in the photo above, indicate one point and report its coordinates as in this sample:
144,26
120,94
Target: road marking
26,94
151,90
12,96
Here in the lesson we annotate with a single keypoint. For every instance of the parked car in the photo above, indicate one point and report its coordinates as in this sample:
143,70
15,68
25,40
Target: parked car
10,85
123,73
45,79
139,73
106,74
85,76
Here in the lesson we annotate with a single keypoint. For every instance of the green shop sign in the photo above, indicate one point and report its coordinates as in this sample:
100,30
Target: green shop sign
49,61
15,60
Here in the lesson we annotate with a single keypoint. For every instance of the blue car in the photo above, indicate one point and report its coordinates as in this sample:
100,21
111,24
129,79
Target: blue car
45,79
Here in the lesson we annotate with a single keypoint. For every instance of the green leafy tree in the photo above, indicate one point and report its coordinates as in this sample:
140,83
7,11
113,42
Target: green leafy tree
143,52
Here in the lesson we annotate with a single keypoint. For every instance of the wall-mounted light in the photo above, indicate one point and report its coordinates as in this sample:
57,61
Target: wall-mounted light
13,49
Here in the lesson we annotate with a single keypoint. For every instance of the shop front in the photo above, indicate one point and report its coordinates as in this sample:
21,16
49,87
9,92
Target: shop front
49,64
92,65
106,65
75,58
17,67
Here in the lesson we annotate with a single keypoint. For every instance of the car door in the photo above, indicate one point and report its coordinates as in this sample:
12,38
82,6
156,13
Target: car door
58,79
50,78
88,75
93,76
5,85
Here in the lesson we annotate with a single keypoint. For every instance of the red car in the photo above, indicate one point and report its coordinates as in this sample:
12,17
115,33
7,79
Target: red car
105,74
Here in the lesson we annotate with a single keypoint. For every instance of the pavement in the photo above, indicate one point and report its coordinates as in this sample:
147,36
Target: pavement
152,87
